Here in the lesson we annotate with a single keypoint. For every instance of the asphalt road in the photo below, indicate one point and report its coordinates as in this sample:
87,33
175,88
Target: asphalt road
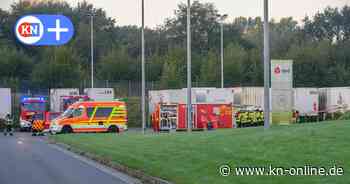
31,160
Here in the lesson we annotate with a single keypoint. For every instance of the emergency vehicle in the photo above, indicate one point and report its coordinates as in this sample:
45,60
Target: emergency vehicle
92,117
168,117
39,127
31,108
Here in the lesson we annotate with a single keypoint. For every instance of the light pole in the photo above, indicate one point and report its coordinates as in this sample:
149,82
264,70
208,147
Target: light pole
266,66
222,48
92,48
143,101
189,79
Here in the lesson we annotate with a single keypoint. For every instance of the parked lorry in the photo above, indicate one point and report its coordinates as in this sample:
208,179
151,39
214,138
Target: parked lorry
336,99
248,96
31,108
306,104
5,102
100,94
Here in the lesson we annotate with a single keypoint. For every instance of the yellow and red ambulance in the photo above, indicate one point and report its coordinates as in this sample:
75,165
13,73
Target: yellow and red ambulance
92,117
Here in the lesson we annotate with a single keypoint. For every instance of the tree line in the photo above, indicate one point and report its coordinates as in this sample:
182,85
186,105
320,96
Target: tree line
318,45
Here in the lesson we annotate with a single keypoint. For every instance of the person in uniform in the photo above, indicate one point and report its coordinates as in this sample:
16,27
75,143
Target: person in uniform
8,125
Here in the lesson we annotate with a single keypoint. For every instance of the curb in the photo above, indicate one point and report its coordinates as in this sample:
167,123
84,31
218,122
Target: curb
144,178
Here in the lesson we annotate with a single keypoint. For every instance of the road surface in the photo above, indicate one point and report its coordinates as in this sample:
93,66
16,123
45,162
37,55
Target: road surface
31,160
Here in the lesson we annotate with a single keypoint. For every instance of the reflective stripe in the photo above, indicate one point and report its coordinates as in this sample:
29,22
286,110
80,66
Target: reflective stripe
93,114
104,126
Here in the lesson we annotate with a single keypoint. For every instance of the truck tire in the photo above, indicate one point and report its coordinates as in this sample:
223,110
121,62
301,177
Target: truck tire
113,129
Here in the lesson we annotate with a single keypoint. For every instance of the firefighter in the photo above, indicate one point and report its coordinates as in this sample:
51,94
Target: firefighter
238,119
37,127
260,115
8,125
245,118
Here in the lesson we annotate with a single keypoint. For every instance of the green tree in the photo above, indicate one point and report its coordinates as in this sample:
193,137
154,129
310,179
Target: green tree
117,65
174,69
14,64
234,59
59,67
210,70
204,22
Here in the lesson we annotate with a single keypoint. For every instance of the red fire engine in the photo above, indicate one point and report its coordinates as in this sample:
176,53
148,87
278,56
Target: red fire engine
205,116
31,108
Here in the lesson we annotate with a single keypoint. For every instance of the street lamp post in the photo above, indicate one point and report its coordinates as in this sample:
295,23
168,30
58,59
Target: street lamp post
189,79
143,101
266,66
92,49
222,54
223,17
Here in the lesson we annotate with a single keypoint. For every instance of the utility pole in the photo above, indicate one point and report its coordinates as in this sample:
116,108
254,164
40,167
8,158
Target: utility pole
222,19
143,103
222,54
266,66
92,49
189,77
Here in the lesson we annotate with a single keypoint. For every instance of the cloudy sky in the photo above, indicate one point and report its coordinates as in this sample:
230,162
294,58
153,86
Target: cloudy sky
128,11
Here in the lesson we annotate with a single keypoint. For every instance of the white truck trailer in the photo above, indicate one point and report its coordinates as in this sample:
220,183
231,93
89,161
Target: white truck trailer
336,99
56,98
5,102
306,101
251,96
100,94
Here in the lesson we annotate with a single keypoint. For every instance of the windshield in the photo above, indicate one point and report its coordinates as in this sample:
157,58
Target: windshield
67,113
39,116
35,106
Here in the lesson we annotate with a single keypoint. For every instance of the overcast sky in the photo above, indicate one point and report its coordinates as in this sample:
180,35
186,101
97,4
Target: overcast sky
127,12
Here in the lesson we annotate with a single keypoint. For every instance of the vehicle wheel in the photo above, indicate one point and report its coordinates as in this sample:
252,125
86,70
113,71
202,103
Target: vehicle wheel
67,130
113,129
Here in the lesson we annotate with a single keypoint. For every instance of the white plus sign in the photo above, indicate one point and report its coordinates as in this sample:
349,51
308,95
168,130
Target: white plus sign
58,30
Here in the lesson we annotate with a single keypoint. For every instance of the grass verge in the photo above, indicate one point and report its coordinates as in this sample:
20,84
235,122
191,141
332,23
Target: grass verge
195,158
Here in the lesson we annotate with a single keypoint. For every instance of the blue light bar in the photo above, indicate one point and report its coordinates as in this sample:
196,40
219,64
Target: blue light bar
25,99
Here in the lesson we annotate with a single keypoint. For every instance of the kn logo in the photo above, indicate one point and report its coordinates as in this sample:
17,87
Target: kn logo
44,30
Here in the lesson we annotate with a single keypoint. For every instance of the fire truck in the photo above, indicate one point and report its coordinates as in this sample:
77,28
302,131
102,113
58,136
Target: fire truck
31,108
40,127
168,117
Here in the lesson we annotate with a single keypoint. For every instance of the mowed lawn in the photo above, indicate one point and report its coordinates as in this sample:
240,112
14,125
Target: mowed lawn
194,158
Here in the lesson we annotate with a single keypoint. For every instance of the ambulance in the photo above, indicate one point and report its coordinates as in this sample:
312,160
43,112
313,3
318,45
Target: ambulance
92,117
